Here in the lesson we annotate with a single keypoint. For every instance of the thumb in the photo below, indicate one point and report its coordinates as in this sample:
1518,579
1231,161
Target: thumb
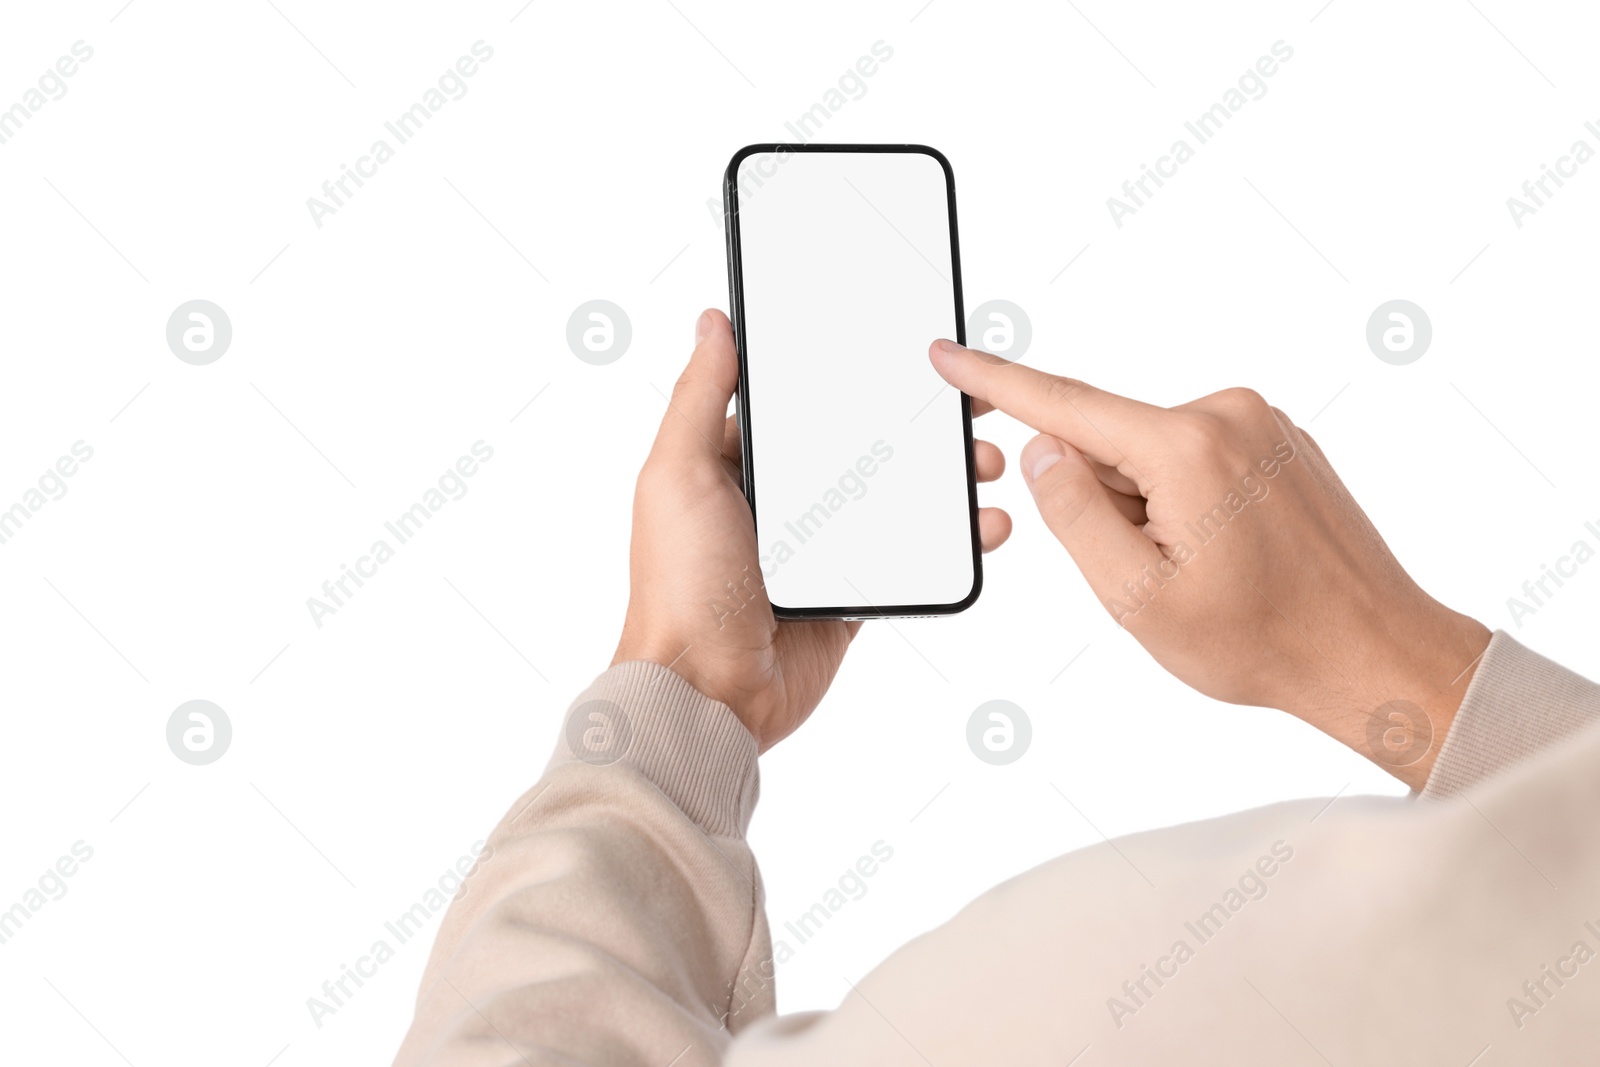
698,408
1107,548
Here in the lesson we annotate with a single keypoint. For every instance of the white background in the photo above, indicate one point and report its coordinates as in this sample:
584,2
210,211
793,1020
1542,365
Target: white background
370,753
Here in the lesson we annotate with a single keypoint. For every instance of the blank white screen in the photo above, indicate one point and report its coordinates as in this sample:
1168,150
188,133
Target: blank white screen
858,453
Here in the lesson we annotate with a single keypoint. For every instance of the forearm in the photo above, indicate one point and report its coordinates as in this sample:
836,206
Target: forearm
617,902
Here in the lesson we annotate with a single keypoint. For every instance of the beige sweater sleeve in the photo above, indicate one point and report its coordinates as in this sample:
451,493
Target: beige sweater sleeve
616,917
616,904
1516,705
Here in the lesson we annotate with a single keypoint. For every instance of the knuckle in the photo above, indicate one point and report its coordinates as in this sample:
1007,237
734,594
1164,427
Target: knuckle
1063,494
1064,505
1243,403
1224,425
646,491
685,385
1059,391
664,483
649,479
1310,443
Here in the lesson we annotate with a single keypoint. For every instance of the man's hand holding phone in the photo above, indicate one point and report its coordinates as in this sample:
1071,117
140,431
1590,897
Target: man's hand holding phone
697,602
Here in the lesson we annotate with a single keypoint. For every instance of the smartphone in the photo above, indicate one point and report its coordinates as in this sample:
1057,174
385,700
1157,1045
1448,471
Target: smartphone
843,266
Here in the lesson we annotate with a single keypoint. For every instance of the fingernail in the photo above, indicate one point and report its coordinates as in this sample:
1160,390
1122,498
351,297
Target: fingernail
702,326
1051,455
946,347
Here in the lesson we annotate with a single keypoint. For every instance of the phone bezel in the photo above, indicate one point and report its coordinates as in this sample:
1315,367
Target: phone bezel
730,211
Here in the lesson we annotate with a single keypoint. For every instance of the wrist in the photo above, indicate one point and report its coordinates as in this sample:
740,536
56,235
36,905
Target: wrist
1397,708
681,657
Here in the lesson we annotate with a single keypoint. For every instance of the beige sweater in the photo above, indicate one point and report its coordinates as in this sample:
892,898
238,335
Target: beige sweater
616,918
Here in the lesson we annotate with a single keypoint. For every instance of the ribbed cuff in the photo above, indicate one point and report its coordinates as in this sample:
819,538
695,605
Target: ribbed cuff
694,749
1517,703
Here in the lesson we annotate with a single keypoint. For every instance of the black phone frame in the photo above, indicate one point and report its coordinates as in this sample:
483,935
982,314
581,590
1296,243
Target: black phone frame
730,213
